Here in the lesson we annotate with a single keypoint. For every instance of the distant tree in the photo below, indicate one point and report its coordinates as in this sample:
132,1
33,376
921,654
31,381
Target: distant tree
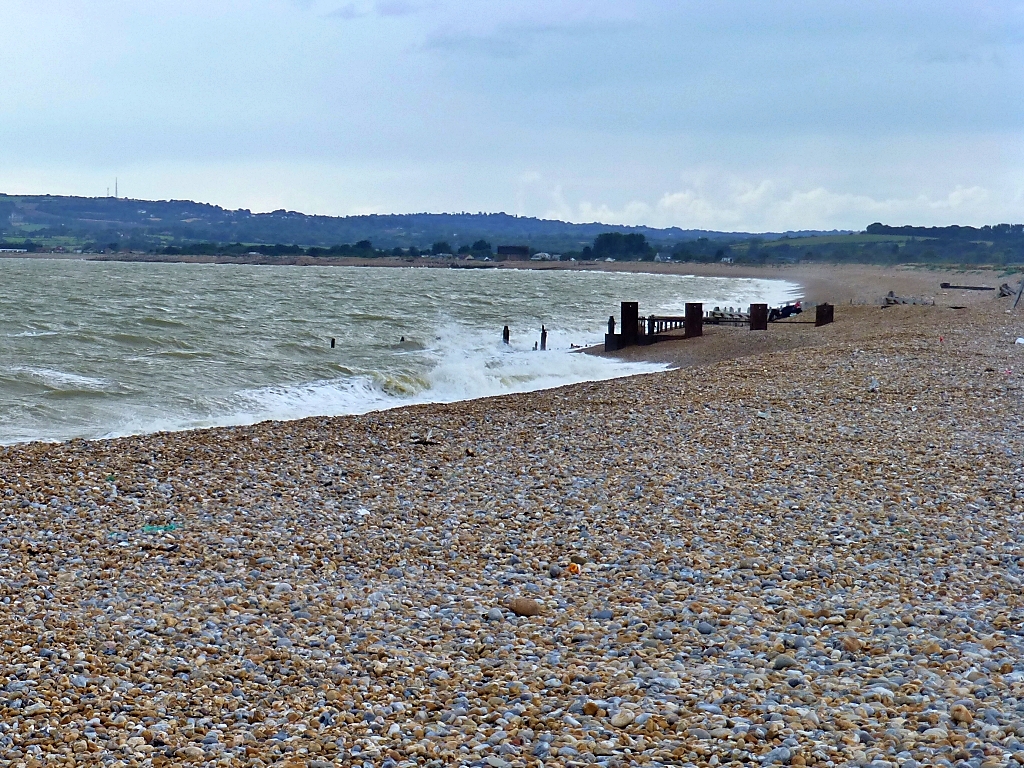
414,251
587,254
481,246
396,251
364,245
6,211
616,245
441,246
754,253
681,253
463,249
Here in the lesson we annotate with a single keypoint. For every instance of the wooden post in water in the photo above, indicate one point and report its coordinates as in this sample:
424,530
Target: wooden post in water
630,322
823,314
611,324
505,334
759,317
694,319
543,338
332,343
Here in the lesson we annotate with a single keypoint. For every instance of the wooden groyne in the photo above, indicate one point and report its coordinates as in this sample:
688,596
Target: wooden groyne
637,330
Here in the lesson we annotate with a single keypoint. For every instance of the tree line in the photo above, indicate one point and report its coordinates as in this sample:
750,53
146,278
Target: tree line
996,245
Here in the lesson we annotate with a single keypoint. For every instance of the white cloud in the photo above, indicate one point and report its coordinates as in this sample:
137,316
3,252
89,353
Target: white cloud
749,115
771,205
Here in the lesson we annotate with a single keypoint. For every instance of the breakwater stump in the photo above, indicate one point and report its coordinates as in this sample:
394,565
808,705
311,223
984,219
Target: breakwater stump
759,317
694,324
823,314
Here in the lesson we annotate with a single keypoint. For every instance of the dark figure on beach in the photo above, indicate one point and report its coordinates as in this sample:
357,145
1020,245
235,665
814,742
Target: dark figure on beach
505,334
783,312
543,338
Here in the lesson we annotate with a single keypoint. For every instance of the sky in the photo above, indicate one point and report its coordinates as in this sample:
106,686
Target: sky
747,115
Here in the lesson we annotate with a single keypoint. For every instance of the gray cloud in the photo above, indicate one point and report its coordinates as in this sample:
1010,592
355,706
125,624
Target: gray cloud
398,7
348,11
381,8
746,115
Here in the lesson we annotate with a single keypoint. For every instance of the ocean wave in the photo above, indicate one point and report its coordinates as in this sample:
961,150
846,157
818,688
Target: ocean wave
63,380
32,334
270,357
457,374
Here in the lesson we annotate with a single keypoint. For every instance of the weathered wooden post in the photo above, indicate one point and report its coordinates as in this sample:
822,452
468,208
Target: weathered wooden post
506,334
630,311
759,317
332,343
543,338
611,324
823,314
694,319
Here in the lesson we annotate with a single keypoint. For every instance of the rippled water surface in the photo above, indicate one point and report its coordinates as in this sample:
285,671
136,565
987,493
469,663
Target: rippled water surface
95,349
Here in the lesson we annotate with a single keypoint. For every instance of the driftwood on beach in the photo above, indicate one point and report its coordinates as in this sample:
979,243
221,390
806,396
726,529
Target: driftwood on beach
951,287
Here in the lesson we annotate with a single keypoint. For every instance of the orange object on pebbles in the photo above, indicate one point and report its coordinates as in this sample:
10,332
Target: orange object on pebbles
574,568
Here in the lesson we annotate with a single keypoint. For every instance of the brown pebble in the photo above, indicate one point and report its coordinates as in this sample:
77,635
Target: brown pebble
524,606
852,644
961,714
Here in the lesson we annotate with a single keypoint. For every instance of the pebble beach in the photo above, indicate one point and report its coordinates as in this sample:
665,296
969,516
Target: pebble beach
806,556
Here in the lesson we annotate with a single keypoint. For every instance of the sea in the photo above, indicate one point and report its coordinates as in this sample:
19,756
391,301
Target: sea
104,349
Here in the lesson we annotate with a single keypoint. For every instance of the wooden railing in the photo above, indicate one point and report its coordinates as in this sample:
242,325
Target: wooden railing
662,323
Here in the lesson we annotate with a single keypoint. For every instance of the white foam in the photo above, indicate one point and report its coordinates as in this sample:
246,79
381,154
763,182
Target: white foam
62,379
458,374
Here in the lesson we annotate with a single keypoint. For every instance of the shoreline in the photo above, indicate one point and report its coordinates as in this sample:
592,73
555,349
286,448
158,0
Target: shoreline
808,556
856,283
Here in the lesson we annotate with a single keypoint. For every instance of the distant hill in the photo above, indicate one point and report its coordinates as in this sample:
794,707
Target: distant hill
150,224
1007,232
175,228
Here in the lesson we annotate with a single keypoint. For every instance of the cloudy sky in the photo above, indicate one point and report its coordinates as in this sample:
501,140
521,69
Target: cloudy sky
745,115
